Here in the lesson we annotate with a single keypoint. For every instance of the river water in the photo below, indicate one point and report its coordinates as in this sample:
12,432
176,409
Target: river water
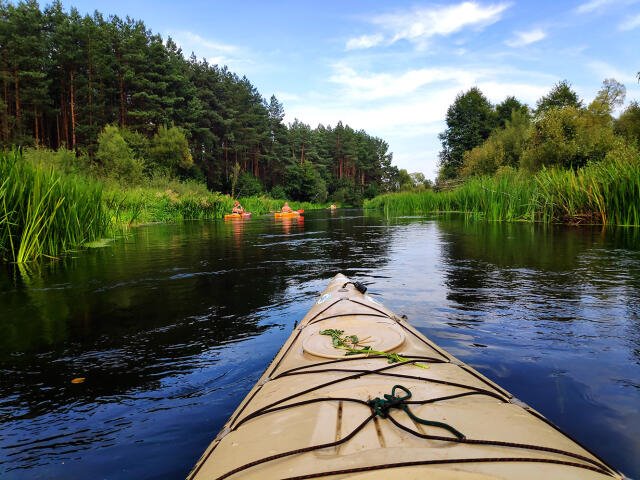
172,325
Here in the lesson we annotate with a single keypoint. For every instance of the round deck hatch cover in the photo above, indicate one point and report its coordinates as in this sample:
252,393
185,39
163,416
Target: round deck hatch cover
380,334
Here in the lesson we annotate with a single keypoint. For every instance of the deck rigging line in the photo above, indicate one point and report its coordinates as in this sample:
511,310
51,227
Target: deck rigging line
377,408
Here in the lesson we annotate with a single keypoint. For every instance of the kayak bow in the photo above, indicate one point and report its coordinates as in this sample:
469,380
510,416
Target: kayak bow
357,392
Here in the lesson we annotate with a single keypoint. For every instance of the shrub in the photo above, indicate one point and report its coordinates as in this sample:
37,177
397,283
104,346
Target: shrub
117,158
278,192
169,151
248,185
304,183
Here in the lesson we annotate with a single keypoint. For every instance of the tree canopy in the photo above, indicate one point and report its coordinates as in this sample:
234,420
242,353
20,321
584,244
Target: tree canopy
562,133
561,95
470,120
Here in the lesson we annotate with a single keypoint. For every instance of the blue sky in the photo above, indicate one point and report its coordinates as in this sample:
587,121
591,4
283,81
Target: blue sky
393,68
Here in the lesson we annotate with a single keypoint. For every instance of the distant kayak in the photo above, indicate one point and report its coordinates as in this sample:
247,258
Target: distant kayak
357,392
287,214
231,216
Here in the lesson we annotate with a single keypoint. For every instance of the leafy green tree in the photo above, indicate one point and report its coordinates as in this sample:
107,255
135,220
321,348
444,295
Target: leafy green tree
561,95
503,148
278,192
248,185
169,151
405,181
304,183
117,158
567,137
277,146
628,124
137,142
470,120
610,96
505,109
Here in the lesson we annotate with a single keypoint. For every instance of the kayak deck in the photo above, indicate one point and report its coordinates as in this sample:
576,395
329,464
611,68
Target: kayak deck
316,413
286,214
230,216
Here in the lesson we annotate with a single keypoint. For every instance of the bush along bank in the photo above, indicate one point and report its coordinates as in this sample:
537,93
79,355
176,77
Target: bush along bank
175,201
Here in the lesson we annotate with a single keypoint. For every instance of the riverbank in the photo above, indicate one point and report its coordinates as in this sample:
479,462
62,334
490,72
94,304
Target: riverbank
173,201
46,211
605,193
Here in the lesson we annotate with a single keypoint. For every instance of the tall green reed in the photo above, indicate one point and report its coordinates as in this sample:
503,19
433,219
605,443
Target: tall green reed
606,193
45,213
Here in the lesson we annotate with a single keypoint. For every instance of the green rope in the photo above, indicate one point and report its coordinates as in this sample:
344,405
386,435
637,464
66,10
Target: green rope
381,407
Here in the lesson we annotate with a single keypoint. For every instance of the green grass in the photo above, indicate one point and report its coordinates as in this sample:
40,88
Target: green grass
45,213
606,193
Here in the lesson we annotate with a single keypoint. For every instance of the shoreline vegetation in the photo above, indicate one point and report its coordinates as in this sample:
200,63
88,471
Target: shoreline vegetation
45,212
604,193
560,162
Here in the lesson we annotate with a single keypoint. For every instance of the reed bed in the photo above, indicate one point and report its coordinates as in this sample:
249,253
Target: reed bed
606,193
45,213
509,197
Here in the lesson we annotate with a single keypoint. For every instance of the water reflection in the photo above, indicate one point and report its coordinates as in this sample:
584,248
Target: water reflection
559,309
172,325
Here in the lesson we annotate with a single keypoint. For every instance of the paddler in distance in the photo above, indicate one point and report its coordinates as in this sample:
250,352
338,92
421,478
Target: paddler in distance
237,208
286,208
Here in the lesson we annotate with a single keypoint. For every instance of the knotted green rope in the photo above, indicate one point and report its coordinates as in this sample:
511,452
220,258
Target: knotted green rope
381,407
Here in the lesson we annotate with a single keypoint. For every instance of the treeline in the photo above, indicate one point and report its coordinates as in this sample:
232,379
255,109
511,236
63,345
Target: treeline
561,131
130,105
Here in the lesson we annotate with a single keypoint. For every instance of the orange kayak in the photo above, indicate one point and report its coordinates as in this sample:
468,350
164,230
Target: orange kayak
231,216
286,214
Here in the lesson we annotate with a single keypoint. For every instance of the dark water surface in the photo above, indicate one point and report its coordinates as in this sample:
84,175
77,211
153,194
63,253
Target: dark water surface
173,325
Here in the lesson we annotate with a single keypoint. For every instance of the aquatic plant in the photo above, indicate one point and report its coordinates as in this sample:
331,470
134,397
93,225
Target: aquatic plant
44,213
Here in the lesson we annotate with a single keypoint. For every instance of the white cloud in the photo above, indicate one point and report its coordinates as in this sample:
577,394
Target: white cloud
421,24
605,70
593,5
598,5
375,86
216,53
210,45
630,24
526,38
365,41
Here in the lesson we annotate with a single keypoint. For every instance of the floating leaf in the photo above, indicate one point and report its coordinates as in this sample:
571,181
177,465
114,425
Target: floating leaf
78,380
